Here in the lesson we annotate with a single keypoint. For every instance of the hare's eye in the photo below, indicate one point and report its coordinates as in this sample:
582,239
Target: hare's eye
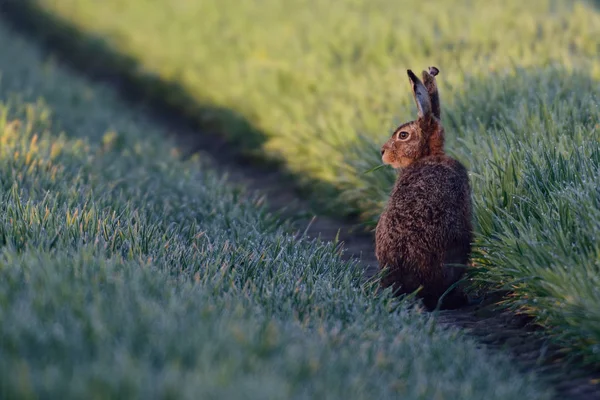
403,135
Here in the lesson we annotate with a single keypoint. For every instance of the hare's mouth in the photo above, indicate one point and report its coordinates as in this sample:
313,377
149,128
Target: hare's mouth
396,162
386,157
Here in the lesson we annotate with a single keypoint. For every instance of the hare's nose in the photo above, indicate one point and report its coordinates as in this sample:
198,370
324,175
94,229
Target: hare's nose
382,151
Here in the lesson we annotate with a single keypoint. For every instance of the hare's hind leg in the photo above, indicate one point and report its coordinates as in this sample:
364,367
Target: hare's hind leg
400,280
455,263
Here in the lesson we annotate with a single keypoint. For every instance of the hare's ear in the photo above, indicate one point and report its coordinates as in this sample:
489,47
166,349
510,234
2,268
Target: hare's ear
431,86
421,95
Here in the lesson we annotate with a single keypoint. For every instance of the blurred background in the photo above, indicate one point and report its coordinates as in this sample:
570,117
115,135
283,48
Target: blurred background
320,84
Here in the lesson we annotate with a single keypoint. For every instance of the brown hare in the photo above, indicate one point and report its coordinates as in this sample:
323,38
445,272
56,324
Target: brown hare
424,235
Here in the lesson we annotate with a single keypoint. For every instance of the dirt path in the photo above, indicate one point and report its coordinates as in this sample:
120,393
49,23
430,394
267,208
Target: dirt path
497,331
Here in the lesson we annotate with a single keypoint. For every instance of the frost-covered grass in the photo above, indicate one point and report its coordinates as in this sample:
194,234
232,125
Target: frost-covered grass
128,273
319,85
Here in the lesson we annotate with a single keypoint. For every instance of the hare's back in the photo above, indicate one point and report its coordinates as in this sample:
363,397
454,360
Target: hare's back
434,192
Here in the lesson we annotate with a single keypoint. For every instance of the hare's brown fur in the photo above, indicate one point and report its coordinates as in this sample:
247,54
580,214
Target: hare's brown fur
426,226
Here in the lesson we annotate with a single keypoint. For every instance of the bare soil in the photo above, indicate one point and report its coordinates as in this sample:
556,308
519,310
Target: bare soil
496,329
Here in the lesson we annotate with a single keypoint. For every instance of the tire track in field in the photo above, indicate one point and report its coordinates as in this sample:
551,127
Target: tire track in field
498,331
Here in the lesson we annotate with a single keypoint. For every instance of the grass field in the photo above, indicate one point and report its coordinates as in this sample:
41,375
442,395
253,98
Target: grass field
320,85
128,273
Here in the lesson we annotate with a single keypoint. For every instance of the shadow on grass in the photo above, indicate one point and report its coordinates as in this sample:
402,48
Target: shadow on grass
594,2
91,55
213,127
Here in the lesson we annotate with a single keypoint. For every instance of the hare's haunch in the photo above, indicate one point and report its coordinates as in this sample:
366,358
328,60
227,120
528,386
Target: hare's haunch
423,237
